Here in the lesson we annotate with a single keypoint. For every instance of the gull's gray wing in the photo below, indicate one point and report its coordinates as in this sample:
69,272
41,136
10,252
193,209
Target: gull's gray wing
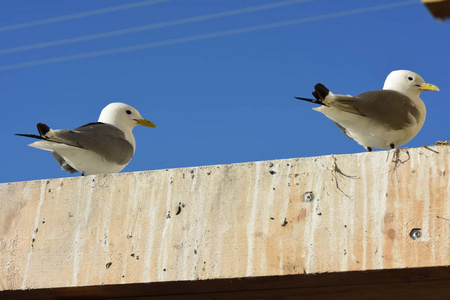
388,107
103,139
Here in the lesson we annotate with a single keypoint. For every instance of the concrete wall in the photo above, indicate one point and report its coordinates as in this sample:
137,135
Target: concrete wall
293,216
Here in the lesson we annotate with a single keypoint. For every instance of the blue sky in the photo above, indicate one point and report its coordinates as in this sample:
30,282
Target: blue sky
217,77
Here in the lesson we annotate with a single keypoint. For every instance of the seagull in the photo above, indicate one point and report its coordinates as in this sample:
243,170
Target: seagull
383,119
106,146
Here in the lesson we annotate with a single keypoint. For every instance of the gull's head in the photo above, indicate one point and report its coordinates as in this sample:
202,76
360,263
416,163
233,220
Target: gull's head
408,83
123,116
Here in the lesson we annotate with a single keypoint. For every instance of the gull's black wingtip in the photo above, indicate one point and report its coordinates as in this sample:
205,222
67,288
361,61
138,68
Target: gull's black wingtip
42,128
30,136
306,99
320,92
309,100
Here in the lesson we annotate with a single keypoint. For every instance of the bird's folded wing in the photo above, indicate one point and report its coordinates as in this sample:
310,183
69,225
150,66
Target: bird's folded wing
106,140
390,108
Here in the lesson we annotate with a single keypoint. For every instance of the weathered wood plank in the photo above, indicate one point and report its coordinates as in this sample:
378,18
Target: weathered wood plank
283,217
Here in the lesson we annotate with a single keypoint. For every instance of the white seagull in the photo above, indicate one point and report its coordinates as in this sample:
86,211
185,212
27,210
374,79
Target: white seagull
383,119
106,146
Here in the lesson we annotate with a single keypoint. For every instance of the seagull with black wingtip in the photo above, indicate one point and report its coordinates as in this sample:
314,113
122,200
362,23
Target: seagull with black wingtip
106,146
383,119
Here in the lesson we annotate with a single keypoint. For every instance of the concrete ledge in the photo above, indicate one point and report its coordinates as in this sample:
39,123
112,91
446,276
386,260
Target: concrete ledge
369,211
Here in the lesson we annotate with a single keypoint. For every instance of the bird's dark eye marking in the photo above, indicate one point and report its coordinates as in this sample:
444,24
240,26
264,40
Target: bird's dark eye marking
410,78
128,112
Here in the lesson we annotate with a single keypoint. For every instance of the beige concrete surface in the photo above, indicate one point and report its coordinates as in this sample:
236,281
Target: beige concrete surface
292,216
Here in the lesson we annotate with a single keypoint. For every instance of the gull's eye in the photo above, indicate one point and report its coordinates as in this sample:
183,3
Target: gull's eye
128,112
410,78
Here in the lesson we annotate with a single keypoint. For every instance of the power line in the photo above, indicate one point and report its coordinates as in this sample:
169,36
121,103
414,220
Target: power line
150,27
80,15
205,36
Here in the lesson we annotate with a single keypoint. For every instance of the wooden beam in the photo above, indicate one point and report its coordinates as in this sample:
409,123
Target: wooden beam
421,283
383,211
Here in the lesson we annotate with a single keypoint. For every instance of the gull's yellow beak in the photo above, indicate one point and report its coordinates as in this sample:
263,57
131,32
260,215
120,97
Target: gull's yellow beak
144,122
428,87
